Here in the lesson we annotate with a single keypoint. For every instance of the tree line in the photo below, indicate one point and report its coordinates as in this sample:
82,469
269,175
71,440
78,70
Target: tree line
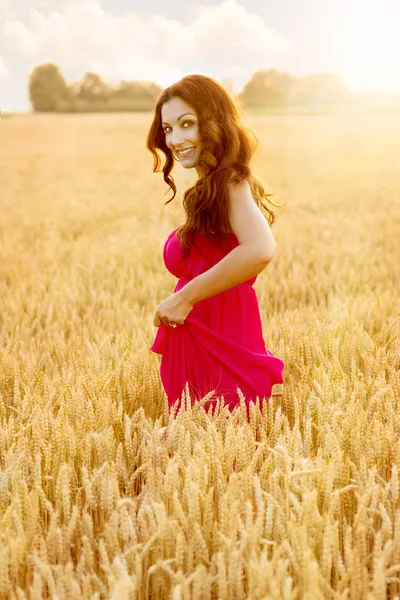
50,92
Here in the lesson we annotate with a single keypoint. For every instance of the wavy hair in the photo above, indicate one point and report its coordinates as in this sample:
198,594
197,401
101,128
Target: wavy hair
227,147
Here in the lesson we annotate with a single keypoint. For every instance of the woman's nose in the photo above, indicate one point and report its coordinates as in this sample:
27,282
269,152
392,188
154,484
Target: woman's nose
176,138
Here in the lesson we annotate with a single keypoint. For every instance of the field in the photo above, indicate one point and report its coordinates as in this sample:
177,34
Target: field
94,502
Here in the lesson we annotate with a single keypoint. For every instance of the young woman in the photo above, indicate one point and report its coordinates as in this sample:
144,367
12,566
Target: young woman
210,333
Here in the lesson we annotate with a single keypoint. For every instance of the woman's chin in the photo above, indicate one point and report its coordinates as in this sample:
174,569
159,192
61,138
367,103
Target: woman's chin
188,164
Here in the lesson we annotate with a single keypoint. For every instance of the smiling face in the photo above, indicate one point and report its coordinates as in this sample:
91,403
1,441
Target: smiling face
181,128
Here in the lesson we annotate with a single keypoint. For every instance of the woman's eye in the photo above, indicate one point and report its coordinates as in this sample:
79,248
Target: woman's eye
185,123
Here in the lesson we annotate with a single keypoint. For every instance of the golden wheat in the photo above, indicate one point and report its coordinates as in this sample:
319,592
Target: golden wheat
103,493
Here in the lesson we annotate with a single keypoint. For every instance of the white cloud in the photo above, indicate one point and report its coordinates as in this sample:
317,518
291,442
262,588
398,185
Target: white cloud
224,41
4,72
234,39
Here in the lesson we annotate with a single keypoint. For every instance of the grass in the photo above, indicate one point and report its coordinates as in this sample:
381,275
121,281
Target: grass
301,502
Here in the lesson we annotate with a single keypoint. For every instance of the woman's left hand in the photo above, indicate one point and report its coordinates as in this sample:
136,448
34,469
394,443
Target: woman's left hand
173,310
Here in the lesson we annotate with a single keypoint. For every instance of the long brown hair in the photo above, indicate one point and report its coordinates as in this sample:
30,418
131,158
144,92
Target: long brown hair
226,150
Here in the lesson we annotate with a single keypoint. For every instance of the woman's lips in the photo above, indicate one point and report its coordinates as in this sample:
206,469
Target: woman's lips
186,152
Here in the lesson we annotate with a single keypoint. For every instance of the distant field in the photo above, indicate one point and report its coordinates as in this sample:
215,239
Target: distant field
291,110
94,503
316,110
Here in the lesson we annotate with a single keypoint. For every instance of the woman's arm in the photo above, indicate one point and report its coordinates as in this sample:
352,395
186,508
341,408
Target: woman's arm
239,265
255,250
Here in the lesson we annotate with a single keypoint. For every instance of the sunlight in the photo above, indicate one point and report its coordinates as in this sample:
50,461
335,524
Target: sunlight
370,47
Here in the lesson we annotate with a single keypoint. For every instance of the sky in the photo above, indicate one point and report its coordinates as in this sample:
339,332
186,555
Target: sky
163,40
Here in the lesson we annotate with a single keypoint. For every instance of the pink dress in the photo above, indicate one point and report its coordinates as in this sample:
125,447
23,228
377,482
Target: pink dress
220,346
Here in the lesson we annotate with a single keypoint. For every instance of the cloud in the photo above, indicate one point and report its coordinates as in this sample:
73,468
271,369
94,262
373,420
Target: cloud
233,38
224,41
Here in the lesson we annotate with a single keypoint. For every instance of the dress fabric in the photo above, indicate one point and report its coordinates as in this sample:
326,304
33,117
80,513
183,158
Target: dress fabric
220,346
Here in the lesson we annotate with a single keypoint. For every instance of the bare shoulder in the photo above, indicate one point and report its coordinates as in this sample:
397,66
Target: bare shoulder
247,221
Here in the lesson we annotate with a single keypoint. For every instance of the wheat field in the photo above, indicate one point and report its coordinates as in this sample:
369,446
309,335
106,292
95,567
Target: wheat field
103,494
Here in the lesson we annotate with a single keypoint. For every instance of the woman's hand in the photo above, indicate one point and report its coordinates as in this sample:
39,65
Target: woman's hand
173,310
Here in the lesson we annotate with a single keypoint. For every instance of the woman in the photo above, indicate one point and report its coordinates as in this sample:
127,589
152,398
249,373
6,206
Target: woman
210,332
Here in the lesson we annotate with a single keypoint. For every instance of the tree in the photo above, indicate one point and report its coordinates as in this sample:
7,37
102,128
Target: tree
47,87
143,90
92,87
267,87
320,88
50,92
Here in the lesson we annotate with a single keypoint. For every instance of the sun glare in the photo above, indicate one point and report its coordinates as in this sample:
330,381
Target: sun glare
370,47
